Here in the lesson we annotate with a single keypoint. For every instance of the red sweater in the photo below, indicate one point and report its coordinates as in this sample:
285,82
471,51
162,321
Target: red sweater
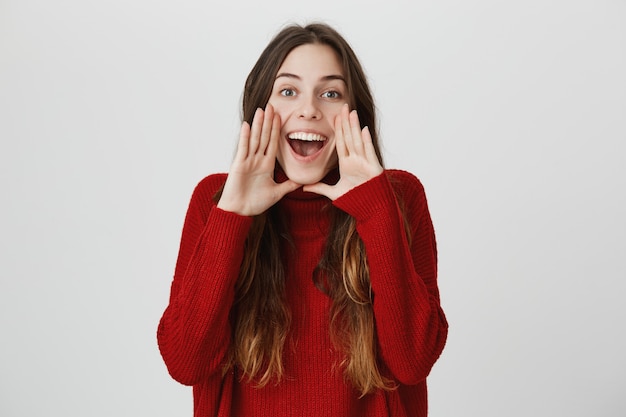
194,332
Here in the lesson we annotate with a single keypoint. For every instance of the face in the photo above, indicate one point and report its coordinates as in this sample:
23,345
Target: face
308,93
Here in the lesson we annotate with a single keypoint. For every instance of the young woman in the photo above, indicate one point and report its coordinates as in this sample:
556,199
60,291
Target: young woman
306,282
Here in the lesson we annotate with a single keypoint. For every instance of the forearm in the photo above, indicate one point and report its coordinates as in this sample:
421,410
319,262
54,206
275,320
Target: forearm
194,332
411,326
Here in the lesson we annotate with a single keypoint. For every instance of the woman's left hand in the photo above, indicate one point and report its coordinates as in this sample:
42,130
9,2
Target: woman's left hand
358,162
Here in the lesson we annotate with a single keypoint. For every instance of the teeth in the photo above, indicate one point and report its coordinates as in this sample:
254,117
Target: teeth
310,137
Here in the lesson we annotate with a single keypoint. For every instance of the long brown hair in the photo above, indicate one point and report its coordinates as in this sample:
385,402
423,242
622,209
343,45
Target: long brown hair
260,315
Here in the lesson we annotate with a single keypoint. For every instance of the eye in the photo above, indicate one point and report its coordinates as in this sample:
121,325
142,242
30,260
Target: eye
332,94
287,92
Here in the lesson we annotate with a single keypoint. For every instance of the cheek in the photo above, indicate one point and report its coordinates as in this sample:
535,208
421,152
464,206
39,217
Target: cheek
280,109
333,159
332,113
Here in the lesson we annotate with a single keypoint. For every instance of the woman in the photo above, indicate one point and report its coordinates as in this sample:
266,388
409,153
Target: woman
306,278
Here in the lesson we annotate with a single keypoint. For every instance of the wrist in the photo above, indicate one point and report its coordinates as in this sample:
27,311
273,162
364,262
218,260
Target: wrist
226,205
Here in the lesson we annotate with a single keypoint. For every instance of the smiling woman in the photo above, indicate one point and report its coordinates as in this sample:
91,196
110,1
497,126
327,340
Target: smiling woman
306,282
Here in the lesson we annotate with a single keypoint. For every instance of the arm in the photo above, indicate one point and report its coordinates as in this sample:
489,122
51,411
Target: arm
194,332
410,323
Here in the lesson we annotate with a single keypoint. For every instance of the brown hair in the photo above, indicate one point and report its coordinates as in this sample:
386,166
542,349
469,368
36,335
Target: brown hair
260,316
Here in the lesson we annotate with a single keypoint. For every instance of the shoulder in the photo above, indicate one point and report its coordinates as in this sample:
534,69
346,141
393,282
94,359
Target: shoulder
210,184
401,176
205,190
410,196
409,192
405,184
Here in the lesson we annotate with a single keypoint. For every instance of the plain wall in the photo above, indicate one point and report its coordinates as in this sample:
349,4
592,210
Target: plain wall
513,114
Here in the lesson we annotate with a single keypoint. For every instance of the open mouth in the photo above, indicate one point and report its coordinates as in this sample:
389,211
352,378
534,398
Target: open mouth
306,144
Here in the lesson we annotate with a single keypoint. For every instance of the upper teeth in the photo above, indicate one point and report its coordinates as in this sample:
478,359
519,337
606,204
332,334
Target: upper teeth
306,136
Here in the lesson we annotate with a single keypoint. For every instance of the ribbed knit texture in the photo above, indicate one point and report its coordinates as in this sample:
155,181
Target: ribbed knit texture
194,332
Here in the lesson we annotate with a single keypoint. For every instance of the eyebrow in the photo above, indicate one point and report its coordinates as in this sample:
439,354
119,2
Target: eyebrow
324,78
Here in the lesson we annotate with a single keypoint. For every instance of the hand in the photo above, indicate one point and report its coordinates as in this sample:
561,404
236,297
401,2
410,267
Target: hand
357,158
250,188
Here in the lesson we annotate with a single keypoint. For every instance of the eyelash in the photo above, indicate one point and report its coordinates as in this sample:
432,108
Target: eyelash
283,92
337,95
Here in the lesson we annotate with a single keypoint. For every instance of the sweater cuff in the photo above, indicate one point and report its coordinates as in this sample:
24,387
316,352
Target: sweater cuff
367,199
232,227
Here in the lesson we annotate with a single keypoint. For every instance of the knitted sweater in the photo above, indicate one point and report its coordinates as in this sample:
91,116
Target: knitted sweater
194,332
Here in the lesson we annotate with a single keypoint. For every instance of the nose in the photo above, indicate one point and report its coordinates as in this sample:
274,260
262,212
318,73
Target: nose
309,109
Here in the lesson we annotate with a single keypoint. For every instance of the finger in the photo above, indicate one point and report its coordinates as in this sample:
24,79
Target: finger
255,131
285,188
368,144
266,129
272,146
355,132
346,130
244,138
340,143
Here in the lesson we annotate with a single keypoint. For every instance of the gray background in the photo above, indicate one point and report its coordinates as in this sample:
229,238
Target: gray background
511,113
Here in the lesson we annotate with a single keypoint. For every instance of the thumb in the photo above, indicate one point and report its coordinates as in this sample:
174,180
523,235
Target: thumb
286,187
321,189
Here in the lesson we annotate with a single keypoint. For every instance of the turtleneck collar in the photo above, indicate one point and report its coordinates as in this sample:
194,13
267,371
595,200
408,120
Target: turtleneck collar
331,178
306,212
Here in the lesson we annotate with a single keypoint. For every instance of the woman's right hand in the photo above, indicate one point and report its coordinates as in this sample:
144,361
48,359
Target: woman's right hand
250,188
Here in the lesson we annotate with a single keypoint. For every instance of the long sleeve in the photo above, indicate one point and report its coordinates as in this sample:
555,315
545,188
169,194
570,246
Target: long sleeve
411,326
194,332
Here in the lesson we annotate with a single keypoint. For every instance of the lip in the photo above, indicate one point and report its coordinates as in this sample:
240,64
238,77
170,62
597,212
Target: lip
308,158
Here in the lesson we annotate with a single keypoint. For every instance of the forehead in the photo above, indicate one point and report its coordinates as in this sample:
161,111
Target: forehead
315,60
